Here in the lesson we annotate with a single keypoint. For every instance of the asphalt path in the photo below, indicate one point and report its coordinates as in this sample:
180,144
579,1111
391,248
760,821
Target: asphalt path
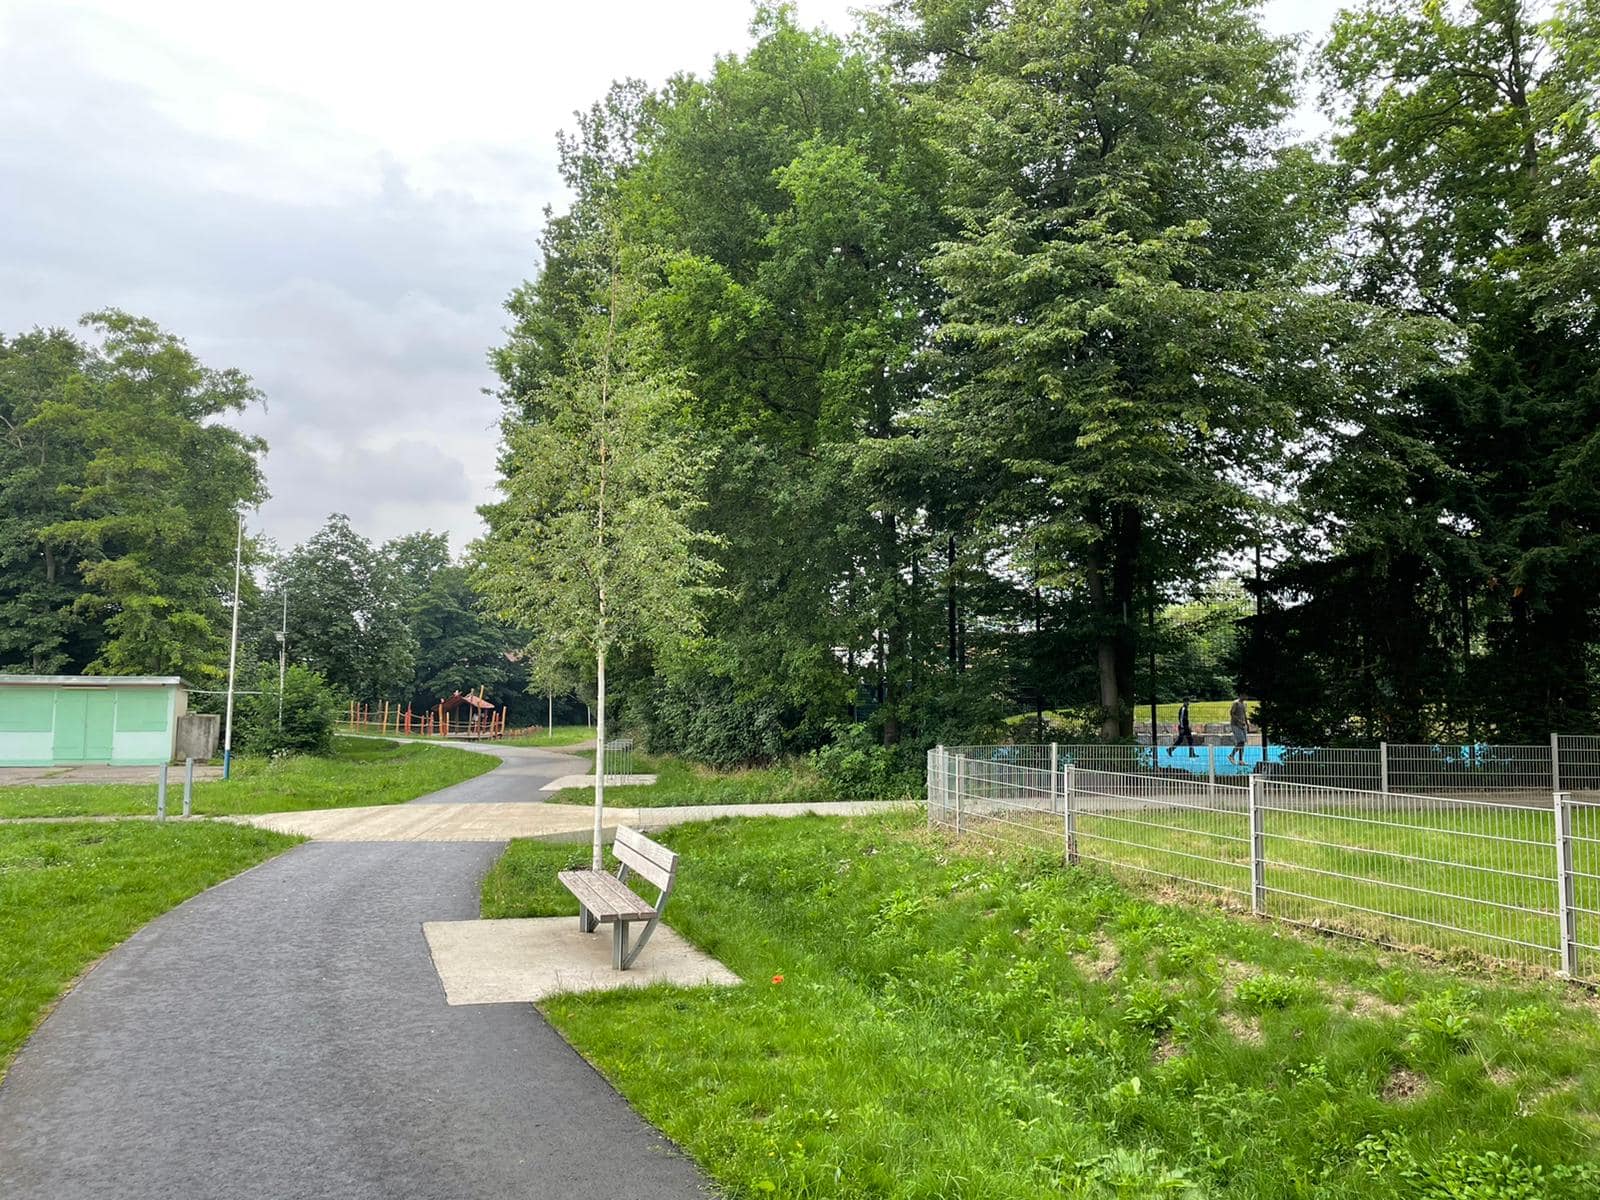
285,1035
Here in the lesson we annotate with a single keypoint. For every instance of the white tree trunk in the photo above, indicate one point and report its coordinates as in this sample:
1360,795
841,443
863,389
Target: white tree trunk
599,757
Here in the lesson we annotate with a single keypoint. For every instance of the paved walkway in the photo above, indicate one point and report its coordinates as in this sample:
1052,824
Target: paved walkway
499,822
285,1035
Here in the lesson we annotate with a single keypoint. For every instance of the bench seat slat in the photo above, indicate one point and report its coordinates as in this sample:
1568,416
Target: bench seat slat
605,896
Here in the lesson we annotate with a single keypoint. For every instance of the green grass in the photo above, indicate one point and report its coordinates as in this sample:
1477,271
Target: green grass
360,771
1201,712
679,782
958,1024
69,893
556,736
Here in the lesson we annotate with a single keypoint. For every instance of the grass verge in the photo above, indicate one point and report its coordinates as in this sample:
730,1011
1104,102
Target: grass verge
929,1019
69,893
360,771
558,735
679,782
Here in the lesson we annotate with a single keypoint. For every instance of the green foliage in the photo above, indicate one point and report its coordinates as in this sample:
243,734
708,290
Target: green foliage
704,718
854,766
120,484
308,714
348,605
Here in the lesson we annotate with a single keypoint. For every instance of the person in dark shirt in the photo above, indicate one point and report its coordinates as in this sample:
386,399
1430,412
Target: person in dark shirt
1239,725
1185,733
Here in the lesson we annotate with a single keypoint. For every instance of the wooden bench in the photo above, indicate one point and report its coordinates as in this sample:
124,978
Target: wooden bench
604,898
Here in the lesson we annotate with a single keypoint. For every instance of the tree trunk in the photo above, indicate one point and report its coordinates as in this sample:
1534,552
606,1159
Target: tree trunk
950,600
599,758
1112,601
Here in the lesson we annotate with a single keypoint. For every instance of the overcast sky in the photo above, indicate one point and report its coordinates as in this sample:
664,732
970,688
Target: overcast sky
334,197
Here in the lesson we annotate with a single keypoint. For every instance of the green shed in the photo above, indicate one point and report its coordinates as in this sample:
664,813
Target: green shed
65,720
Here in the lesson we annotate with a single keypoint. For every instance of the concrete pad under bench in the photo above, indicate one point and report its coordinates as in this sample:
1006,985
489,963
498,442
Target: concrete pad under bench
525,960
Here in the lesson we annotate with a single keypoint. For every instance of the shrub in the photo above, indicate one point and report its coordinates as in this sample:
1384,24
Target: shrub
706,720
855,767
309,712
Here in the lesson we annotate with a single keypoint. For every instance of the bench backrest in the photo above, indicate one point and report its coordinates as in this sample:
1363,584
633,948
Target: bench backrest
644,857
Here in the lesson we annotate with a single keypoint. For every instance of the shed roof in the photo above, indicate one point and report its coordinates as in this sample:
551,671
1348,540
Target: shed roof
94,681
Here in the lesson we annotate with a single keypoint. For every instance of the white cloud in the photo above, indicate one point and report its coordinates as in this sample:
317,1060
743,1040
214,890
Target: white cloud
335,198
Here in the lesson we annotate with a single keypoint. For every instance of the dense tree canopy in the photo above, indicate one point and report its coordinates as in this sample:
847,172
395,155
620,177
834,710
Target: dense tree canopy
1017,330
120,490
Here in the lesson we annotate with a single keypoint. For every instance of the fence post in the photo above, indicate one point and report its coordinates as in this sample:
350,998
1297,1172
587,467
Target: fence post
1555,762
188,787
1258,851
1211,769
161,794
1054,777
1383,767
1070,807
1566,893
959,773
933,788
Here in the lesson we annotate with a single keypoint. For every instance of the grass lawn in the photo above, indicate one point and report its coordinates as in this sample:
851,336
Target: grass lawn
360,771
1201,712
69,893
679,782
934,1020
558,735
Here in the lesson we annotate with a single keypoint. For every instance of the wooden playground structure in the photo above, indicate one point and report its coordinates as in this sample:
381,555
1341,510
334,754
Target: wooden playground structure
465,716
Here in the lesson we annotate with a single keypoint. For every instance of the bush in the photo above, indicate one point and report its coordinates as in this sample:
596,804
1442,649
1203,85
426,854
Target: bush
855,767
309,712
706,720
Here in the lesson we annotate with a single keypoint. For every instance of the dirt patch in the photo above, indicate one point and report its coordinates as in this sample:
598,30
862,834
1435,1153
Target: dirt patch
1404,1086
1242,1028
1167,1048
1365,1004
1102,960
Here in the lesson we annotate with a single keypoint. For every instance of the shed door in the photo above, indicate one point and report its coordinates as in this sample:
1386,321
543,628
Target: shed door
85,722
97,741
72,725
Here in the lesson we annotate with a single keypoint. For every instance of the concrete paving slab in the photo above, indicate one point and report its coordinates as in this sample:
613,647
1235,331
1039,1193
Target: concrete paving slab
499,822
587,781
507,961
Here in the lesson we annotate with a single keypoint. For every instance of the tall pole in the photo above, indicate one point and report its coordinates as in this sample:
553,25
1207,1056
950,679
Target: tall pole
233,653
549,712
283,654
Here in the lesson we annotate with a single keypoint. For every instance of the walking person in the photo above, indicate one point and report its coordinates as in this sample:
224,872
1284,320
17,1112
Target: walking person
1185,732
1239,723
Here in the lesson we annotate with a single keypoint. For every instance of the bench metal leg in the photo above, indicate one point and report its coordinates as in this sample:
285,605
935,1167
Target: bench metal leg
620,958
644,936
586,921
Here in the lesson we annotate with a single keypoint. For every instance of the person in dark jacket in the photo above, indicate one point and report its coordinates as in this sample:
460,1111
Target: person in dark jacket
1185,732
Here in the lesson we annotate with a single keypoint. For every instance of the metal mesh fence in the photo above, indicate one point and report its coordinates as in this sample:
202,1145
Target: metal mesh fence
617,758
1504,872
1578,762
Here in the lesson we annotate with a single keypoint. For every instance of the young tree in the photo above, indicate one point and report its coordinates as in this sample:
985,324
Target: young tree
591,549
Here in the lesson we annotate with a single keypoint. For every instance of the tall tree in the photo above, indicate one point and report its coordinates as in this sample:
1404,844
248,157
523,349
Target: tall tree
128,487
1465,512
350,602
1127,290
590,549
